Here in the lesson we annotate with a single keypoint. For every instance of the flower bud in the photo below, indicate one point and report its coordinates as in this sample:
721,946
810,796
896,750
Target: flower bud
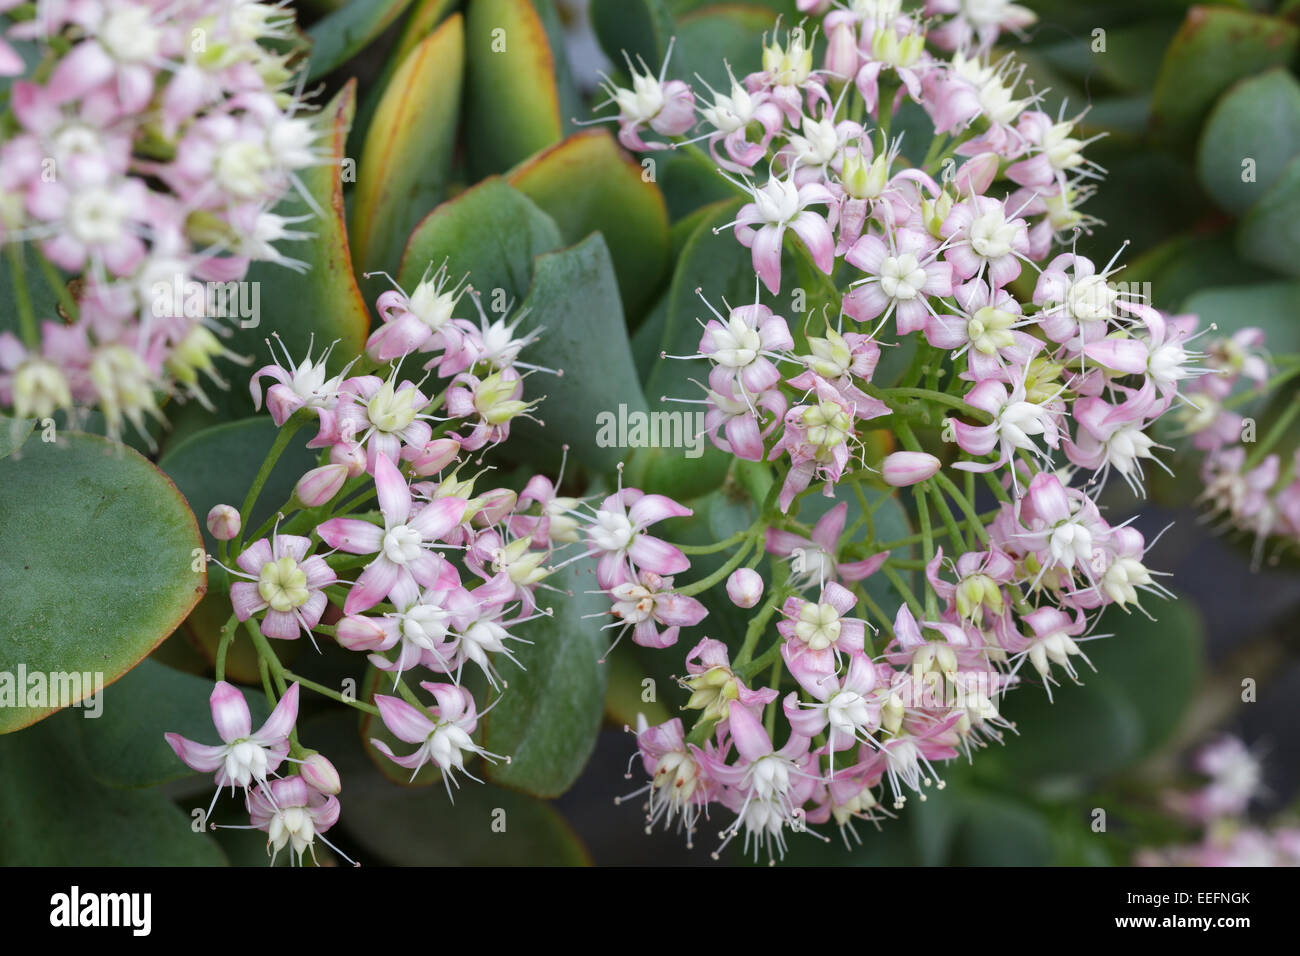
842,52
320,775
354,456
433,457
745,587
223,522
492,506
320,485
357,633
904,468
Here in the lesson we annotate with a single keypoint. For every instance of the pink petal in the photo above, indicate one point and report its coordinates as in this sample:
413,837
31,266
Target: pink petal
230,712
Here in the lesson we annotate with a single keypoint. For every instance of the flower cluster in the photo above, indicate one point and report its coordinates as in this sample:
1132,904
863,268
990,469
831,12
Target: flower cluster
1233,780
388,547
1249,482
142,156
1036,376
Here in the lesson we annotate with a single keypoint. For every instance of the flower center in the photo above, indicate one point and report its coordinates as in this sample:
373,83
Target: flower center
283,584
402,544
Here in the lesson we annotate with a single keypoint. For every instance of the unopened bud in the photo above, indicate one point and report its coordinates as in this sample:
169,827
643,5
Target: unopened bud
745,587
223,522
357,633
904,468
433,457
320,485
354,456
319,774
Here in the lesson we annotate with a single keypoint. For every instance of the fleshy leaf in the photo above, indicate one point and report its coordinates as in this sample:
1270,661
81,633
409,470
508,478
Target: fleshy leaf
1214,47
407,156
492,231
1251,135
512,106
340,35
614,200
96,564
1269,233
574,298
548,719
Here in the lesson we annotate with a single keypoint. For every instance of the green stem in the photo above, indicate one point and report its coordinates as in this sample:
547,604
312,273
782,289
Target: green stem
901,586
695,587
281,443
1275,433
23,300
332,694
223,646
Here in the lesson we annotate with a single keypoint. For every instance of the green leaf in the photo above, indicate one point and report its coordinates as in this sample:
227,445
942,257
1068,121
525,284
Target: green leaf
95,562
614,200
1270,306
711,37
1214,47
56,814
401,826
1087,730
1156,664
1269,234
575,299
549,716
640,27
218,465
492,231
1257,120
512,106
125,746
407,154
324,302
339,36
997,831
1186,264
14,433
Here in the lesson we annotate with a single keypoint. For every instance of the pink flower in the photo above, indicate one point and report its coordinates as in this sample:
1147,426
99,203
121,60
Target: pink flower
403,562
382,416
617,534
293,814
665,106
820,631
816,556
650,601
444,735
780,204
243,757
679,786
305,384
982,236
904,468
745,587
1015,423
742,347
901,275
284,582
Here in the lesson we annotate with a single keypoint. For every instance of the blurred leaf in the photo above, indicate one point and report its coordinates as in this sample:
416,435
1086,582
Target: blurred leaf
491,231
613,200
1270,231
1258,119
512,107
401,826
1087,730
574,298
218,465
14,433
1186,264
1156,664
95,563
997,831
1270,306
407,155
323,302
548,719
125,746
624,699
688,186
640,27
708,36
425,15
339,36
56,814
1214,47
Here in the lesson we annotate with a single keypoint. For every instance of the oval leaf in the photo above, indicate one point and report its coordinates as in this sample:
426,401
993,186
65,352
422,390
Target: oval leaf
1252,133
96,566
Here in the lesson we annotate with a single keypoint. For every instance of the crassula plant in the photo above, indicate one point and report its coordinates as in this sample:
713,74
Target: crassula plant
386,412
